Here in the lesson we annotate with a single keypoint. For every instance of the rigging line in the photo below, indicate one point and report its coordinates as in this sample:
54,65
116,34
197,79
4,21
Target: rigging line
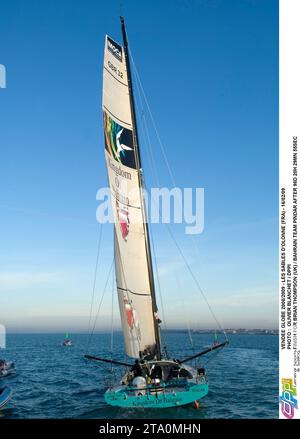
158,282
150,153
196,282
158,285
156,178
187,320
190,335
152,120
99,307
112,317
154,259
95,277
149,149
173,181
153,170
213,355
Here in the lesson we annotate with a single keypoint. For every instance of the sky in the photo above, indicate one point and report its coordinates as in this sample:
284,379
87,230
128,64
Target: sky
210,71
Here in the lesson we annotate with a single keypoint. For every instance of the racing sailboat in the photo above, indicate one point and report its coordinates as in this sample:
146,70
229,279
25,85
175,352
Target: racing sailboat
153,379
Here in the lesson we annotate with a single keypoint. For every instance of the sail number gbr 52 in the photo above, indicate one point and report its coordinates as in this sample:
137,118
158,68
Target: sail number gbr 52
114,69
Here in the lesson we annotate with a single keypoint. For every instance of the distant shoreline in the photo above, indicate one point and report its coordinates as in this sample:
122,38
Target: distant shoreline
193,331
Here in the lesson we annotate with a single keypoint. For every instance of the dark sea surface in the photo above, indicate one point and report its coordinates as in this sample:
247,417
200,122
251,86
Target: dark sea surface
52,381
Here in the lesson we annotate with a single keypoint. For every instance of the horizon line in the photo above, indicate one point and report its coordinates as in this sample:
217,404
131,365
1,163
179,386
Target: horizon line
107,330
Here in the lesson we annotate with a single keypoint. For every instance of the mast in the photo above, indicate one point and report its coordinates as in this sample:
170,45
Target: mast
141,184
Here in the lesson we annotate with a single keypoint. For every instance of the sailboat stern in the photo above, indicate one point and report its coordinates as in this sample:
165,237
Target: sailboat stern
160,384
154,397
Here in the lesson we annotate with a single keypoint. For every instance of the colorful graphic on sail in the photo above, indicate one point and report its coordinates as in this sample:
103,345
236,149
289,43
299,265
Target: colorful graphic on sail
131,265
131,314
118,141
123,218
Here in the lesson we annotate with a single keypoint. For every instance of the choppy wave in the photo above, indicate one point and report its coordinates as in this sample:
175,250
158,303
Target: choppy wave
53,381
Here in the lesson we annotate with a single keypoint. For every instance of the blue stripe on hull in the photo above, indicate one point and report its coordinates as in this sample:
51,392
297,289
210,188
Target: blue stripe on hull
5,395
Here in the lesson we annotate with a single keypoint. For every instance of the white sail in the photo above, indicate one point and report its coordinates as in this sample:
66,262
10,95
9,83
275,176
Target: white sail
132,273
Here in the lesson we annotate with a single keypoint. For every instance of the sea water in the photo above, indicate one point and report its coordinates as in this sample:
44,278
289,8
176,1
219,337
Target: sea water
53,381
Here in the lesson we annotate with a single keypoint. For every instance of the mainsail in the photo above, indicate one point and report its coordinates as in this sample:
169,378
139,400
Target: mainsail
133,268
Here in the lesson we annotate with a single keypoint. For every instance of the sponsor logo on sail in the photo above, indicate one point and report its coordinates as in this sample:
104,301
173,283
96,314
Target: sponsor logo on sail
114,48
120,146
131,316
163,205
129,313
123,218
119,171
118,142
288,399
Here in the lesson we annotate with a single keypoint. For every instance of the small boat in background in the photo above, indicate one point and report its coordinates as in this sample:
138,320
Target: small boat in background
67,341
6,367
215,343
5,395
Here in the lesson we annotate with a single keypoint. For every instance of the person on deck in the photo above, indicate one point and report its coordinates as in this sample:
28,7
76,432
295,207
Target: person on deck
146,355
136,369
